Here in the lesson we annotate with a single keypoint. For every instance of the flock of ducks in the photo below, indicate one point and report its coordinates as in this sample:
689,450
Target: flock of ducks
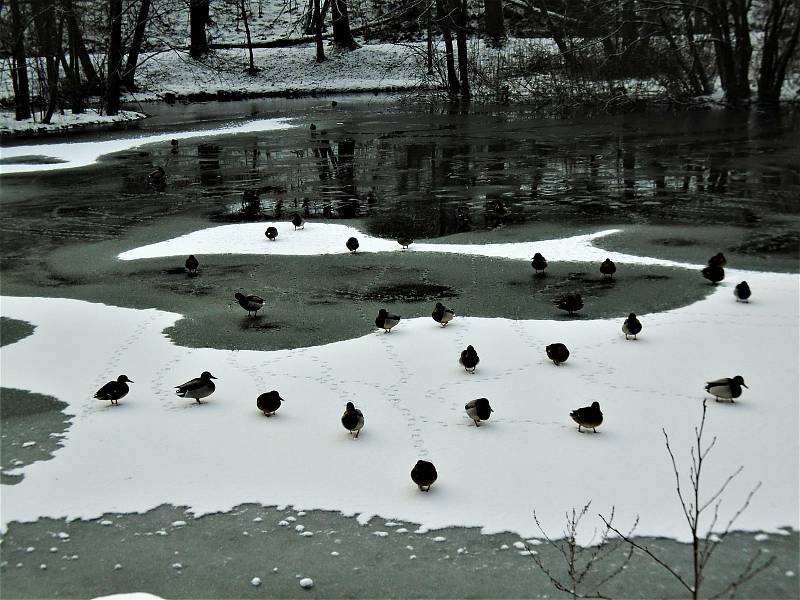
424,473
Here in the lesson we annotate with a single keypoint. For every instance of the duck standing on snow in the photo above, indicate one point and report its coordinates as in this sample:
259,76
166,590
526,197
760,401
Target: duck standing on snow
269,402
631,326
442,315
352,419
386,321
608,268
570,303
197,388
742,292
405,241
250,302
297,221
478,410
192,264
714,273
588,416
271,233
424,474
557,352
352,244
114,390
718,260
727,388
469,359
538,263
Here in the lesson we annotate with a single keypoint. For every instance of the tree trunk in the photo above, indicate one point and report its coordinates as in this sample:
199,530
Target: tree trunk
731,29
429,36
45,20
445,19
342,36
698,67
318,32
136,46
198,19
76,40
252,68
557,35
774,58
19,73
494,23
114,63
461,43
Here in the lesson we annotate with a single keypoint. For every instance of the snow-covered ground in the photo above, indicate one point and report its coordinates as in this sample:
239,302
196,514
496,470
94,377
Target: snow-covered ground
158,448
59,122
80,154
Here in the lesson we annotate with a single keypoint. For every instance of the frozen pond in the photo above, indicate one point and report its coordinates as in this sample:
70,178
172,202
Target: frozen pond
472,189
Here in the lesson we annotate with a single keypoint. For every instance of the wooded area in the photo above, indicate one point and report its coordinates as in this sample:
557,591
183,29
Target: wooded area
82,49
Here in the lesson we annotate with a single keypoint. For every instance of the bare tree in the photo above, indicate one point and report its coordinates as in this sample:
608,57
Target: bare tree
318,32
252,70
49,35
445,20
704,544
198,19
114,61
494,23
581,561
342,36
136,45
781,32
19,70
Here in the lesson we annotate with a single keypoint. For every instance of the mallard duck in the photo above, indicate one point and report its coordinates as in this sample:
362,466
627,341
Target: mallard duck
714,273
727,388
269,402
631,326
608,268
469,359
297,221
538,263
352,419
718,260
191,264
441,314
424,474
250,302
386,321
197,388
157,177
742,292
570,303
271,233
405,241
352,244
557,352
114,390
588,416
478,410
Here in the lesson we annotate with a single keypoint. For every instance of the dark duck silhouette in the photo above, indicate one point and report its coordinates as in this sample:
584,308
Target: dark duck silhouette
478,410
352,419
557,352
588,416
271,233
297,221
718,260
250,302
442,315
114,390
386,321
157,177
538,263
570,303
726,388
405,241
424,475
197,388
469,359
742,292
631,326
269,402
608,268
352,244
714,273
192,264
